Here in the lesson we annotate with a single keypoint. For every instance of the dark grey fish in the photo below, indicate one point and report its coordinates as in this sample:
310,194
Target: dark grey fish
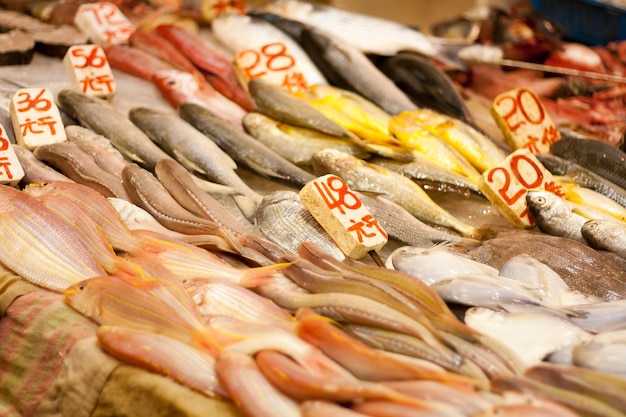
600,157
243,148
425,84
592,272
344,65
103,118
583,177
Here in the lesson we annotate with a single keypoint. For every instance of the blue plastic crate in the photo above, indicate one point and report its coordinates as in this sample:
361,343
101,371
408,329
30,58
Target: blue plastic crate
585,21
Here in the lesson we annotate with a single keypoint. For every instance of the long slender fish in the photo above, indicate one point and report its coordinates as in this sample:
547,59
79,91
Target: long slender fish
242,147
347,67
35,170
78,165
100,148
296,144
285,221
101,117
600,157
195,151
273,101
366,177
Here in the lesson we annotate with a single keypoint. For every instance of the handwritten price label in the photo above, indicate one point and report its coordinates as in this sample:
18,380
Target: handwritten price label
210,9
272,62
506,185
36,118
104,23
89,71
524,121
11,171
340,212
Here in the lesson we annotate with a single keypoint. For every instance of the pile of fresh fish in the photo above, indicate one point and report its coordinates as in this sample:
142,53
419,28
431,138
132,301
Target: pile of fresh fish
184,232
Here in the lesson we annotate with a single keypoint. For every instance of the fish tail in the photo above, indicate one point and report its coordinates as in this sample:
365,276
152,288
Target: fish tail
262,275
126,269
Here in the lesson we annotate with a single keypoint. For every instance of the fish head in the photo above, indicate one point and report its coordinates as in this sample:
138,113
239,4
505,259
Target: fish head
332,161
83,296
176,86
539,200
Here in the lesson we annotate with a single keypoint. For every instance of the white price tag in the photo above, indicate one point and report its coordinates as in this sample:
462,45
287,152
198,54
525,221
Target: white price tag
524,121
104,23
340,212
272,62
89,71
506,185
11,171
36,118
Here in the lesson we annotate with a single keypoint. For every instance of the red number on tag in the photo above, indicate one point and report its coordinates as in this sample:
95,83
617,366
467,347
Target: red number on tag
335,197
91,60
38,103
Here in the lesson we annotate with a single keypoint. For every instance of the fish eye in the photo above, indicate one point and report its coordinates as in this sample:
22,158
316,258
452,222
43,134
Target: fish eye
540,200
82,287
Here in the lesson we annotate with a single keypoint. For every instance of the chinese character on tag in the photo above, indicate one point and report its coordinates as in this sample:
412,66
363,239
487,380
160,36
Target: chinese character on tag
36,118
340,212
103,23
11,171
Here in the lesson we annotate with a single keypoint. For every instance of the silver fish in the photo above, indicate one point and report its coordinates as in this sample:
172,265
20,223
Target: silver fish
285,221
600,317
273,101
403,226
296,144
428,174
554,216
35,170
366,177
606,234
243,148
605,352
195,151
101,117
78,165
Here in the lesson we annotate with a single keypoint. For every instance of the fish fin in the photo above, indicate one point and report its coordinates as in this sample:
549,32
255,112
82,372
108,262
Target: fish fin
190,165
262,275
247,205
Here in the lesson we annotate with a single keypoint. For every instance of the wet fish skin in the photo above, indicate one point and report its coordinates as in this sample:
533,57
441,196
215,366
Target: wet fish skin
347,67
284,220
180,184
554,216
104,119
592,272
428,174
195,151
403,226
294,143
366,177
602,158
583,177
243,148
606,235
273,101
99,147
36,171
425,84
58,257
78,165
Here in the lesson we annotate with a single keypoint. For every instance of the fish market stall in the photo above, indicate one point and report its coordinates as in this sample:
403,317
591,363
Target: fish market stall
236,209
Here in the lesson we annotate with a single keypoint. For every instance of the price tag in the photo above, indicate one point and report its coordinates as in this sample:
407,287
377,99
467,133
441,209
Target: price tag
272,62
11,171
89,70
36,118
506,185
524,121
104,23
210,9
340,212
